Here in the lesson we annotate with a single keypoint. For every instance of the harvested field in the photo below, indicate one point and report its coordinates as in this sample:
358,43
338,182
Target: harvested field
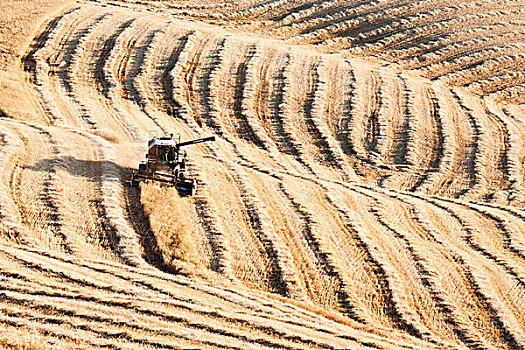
366,189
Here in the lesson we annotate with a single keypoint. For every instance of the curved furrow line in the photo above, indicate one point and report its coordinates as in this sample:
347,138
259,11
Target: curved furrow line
208,326
510,238
283,276
316,111
134,332
410,129
118,236
31,59
473,312
112,63
251,96
289,24
50,208
341,29
413,24
342,18
52,272
220,259
500,184
91,85
22,334
211,83
42,58
310,25
465,61
133,279
515,158
458,146
106,50
101,331
62,77
62,217
204,7
84,75
390,303
249,127
252,319
59,60
100,280
419,302
498,83
319,257
262,321
251,121
515,213
75,70
282,14
182,78
480,159
212,322
511,95
432,277
514,239
280,116
208,89
239,15
301,119
51,329
428,123
419,27
349,120
511,159
138,278
487,68
432,31
371,132
11,147
343,129
503,314
390,143
175,80
332,256
391,312
394,123
211,91
169,325
266,81
168,79
445,56
140,65
237,319
363,124
194,70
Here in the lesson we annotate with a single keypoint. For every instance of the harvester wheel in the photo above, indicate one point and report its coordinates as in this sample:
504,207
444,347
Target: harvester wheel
133,181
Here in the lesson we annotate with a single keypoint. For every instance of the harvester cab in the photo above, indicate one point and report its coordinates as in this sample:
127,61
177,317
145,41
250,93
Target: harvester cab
166,162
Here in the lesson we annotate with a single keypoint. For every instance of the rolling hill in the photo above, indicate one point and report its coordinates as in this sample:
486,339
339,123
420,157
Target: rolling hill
366,189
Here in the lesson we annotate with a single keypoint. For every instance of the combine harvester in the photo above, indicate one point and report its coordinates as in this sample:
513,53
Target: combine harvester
166,163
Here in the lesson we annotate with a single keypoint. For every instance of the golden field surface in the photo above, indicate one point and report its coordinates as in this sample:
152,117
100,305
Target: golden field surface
366,189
